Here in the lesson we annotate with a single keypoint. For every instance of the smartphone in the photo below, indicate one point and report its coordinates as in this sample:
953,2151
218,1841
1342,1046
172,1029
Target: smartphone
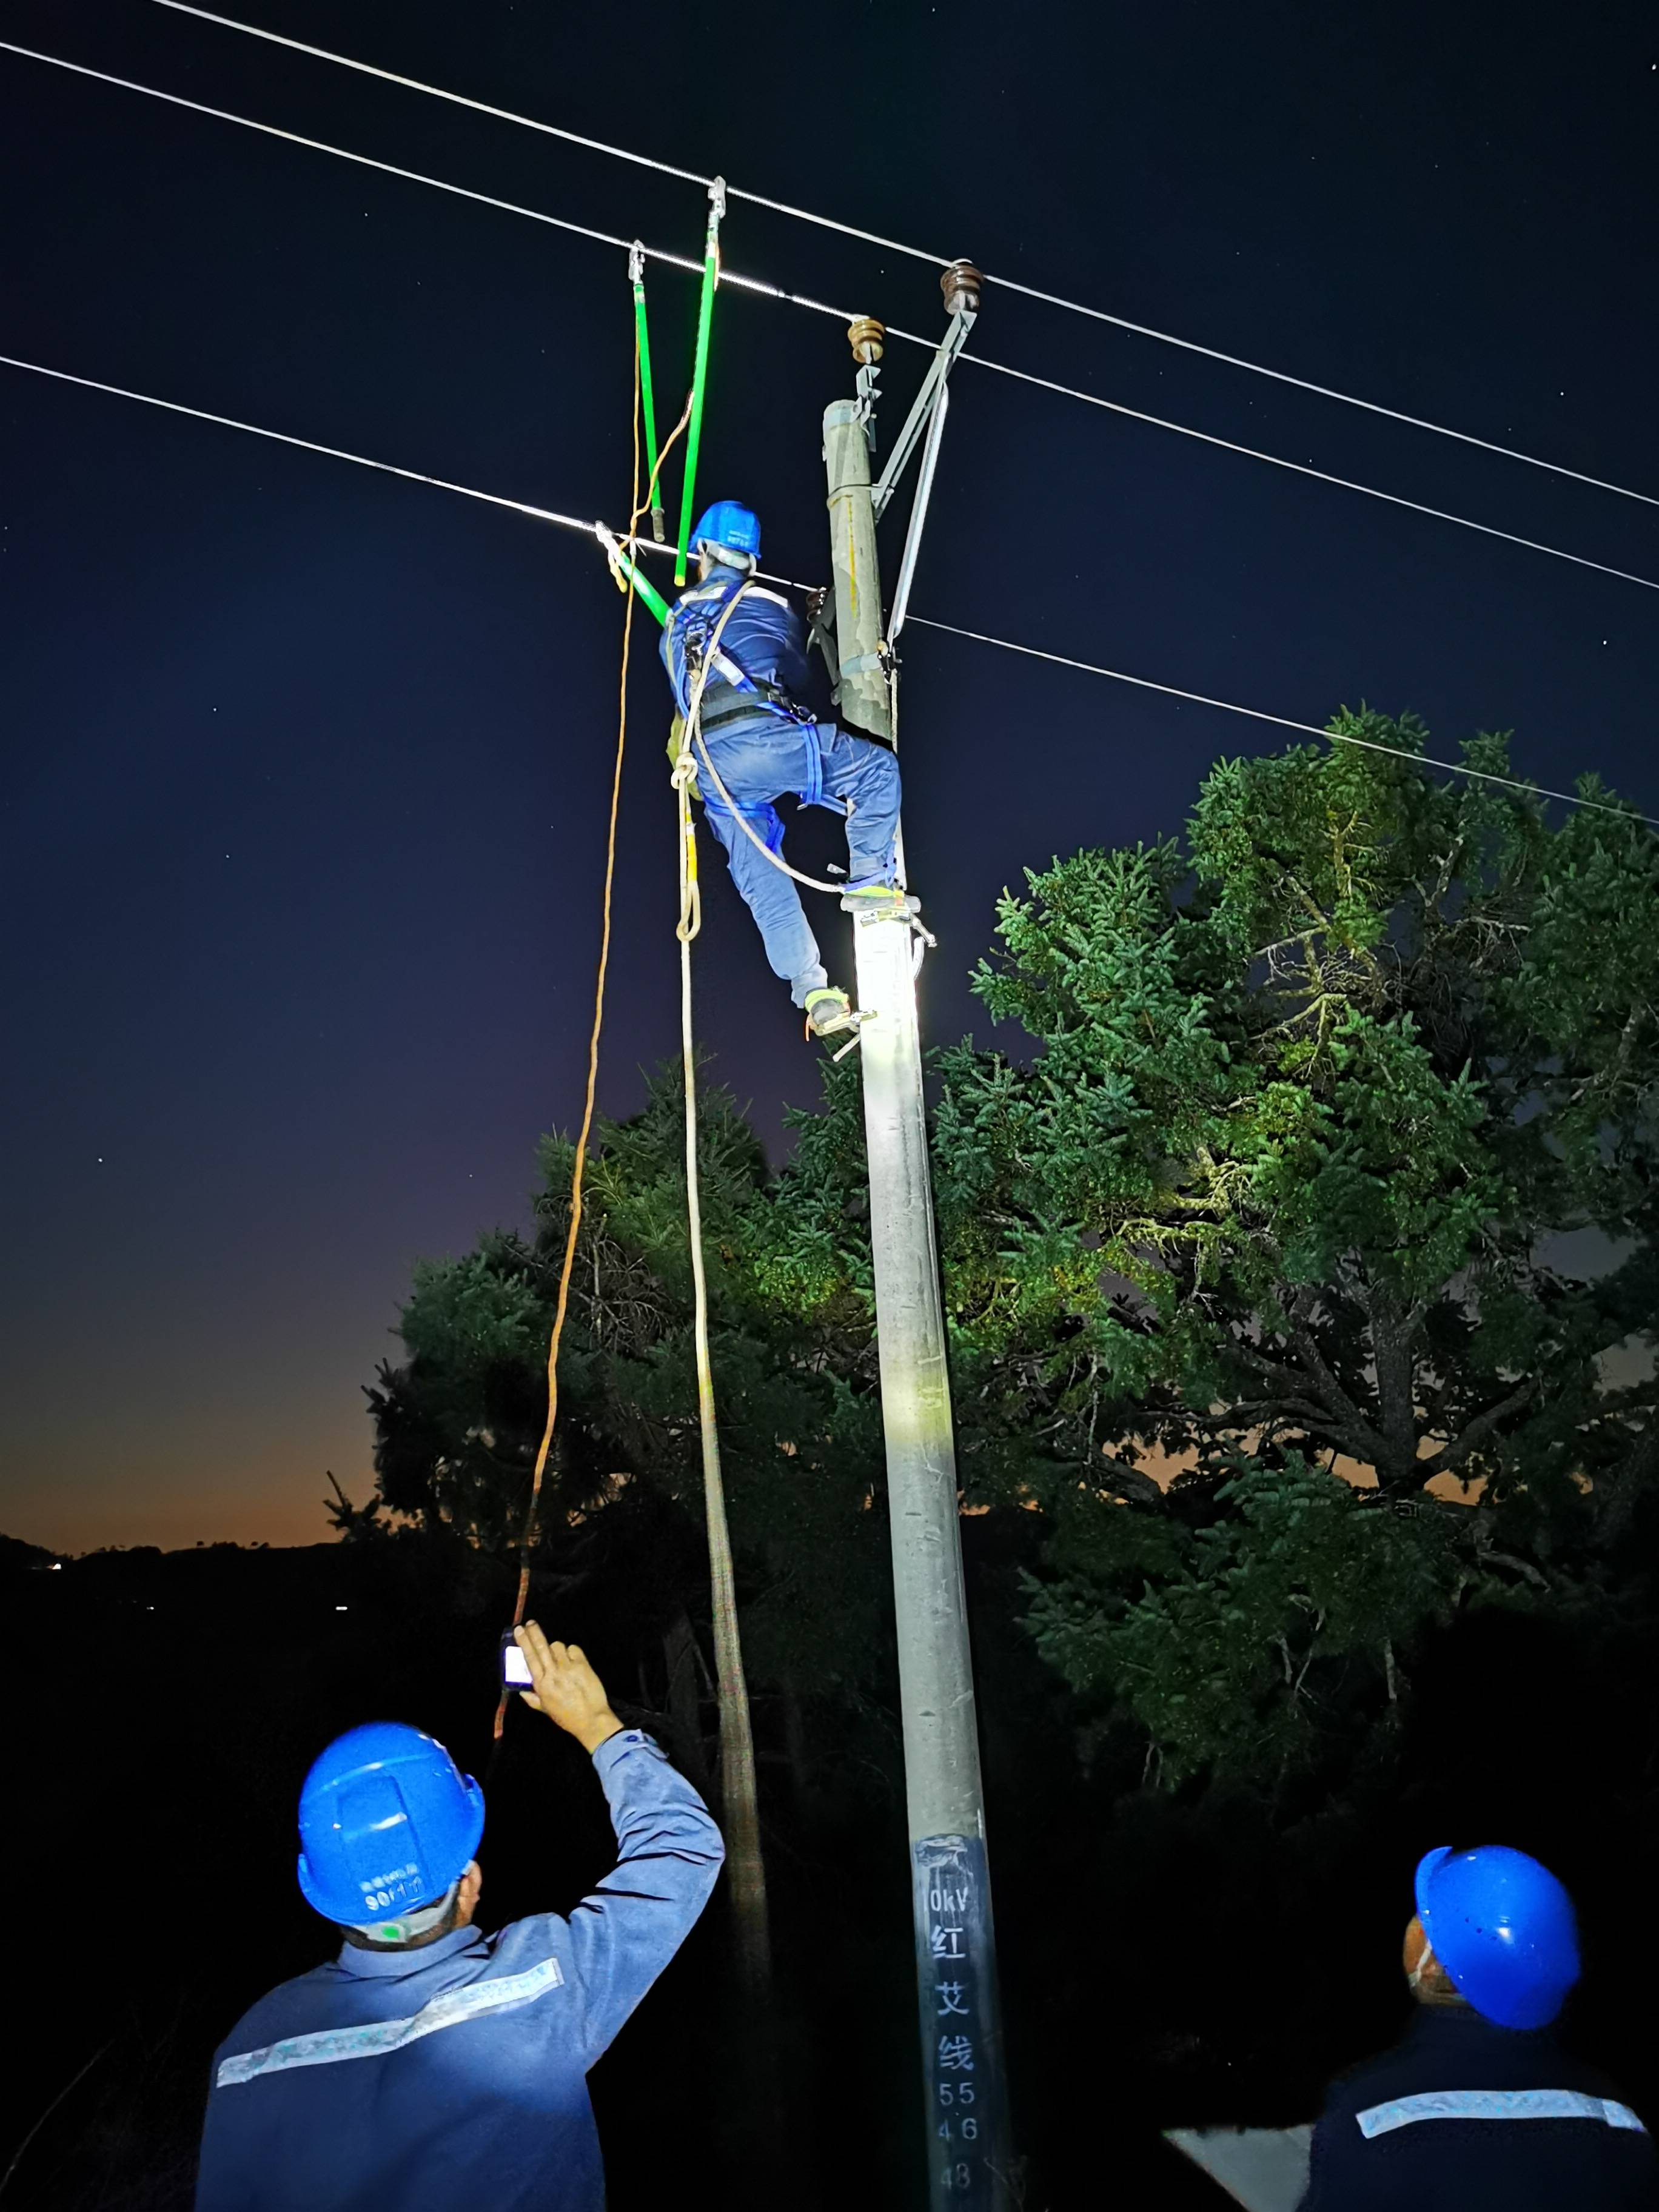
515,1667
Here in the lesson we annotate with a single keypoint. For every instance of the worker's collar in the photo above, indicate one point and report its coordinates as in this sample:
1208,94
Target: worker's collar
391,1964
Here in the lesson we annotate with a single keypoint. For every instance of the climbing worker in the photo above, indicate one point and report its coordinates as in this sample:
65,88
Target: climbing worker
762,742
1480,2105
430,2067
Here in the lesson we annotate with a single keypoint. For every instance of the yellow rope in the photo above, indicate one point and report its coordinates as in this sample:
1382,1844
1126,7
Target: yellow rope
527,1542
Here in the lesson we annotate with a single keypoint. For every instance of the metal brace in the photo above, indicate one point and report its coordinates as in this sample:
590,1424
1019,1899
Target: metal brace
855,1022
922,408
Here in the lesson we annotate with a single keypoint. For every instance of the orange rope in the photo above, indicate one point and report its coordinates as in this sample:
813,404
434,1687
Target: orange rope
527,1543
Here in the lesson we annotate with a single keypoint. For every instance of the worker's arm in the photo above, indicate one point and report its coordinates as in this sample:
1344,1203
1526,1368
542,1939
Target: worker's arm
669,1853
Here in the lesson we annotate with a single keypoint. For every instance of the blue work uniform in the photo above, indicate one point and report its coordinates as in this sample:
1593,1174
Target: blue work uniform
453,2075
763,743
1462,2114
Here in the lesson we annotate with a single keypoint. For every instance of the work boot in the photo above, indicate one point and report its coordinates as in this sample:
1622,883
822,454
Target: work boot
828,1010
871,899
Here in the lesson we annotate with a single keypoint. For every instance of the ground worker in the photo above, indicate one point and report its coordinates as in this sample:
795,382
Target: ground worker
763,744
1478,2105
429,2068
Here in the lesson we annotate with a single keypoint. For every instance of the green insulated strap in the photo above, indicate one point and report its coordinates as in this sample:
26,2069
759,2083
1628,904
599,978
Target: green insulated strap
636,576
711,265
636,274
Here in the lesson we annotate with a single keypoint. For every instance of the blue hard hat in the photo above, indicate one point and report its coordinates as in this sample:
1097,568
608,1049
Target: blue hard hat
730,524
1503,1928
388,1822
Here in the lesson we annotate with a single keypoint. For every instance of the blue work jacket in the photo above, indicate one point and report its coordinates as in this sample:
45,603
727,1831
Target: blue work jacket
765,638
1462,2115
453,2075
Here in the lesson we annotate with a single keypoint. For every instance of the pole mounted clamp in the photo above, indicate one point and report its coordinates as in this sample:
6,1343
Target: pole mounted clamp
635,262
717,199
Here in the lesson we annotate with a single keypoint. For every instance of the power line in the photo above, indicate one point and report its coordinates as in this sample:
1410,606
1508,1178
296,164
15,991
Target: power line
979,637
306,445
1258,714
762,290
418,177
914,253
1301,468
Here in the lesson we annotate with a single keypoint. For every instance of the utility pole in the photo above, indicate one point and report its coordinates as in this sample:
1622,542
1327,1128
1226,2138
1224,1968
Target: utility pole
966,2117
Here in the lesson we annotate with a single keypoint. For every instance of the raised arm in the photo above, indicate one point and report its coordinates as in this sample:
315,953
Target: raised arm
669,1850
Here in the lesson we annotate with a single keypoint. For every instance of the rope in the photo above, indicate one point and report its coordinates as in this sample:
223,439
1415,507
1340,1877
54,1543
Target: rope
1257,715
527,1542
639,544
914,253
764,290
738,1802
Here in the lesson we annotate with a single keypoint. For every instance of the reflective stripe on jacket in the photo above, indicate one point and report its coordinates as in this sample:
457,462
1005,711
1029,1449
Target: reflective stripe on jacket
1462,2114
454,2075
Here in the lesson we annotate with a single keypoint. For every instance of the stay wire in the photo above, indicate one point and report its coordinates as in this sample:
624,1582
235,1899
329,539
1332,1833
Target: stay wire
759,286
647,546
914,252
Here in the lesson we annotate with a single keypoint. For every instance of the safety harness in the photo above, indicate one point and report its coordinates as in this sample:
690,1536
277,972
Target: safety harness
697,617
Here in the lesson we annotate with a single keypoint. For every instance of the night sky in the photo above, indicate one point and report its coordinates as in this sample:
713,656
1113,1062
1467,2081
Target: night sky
307,768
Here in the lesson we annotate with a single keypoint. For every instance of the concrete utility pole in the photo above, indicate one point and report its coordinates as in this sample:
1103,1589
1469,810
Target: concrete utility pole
966,2121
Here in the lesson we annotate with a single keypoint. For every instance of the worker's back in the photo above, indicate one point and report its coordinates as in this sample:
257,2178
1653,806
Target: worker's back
764,634
1462,2115
451,2075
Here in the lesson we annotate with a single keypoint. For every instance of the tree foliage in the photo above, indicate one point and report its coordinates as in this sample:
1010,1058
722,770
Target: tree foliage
1299,1255
1335,1159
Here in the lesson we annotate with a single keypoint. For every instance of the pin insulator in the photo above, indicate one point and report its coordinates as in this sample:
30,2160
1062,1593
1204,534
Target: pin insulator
960,283
867,337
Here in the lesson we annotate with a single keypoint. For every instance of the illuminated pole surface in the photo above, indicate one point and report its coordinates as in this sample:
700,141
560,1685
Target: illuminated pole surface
966,2119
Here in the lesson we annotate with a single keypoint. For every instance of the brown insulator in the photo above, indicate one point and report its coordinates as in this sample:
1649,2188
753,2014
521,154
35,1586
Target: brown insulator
867,337
961,284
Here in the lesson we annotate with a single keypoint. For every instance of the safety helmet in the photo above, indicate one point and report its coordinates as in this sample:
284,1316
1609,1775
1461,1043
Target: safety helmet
388,1822
729,524
1503,1928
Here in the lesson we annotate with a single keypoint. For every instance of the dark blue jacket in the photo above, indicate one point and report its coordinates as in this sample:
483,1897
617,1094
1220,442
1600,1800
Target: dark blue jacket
765,637
453,2077
1461,2116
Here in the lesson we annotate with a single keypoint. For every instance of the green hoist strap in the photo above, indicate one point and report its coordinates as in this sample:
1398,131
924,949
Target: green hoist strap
626,570
711,274
636,277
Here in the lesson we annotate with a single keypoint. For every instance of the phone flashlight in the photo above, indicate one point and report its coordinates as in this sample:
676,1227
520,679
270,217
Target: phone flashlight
515,1667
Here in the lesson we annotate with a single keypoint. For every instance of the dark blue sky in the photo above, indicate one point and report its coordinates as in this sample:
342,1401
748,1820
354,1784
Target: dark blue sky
306,769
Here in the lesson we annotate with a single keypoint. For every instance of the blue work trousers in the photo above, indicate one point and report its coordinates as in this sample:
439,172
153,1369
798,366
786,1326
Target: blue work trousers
758,762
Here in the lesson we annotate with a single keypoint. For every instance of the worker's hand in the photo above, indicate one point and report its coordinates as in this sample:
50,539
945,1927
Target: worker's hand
567,1689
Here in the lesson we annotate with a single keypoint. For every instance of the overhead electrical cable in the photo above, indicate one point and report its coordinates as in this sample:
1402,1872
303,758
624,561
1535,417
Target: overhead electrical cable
914,252
439,184
1284,722
1305,469
761,289
646,545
